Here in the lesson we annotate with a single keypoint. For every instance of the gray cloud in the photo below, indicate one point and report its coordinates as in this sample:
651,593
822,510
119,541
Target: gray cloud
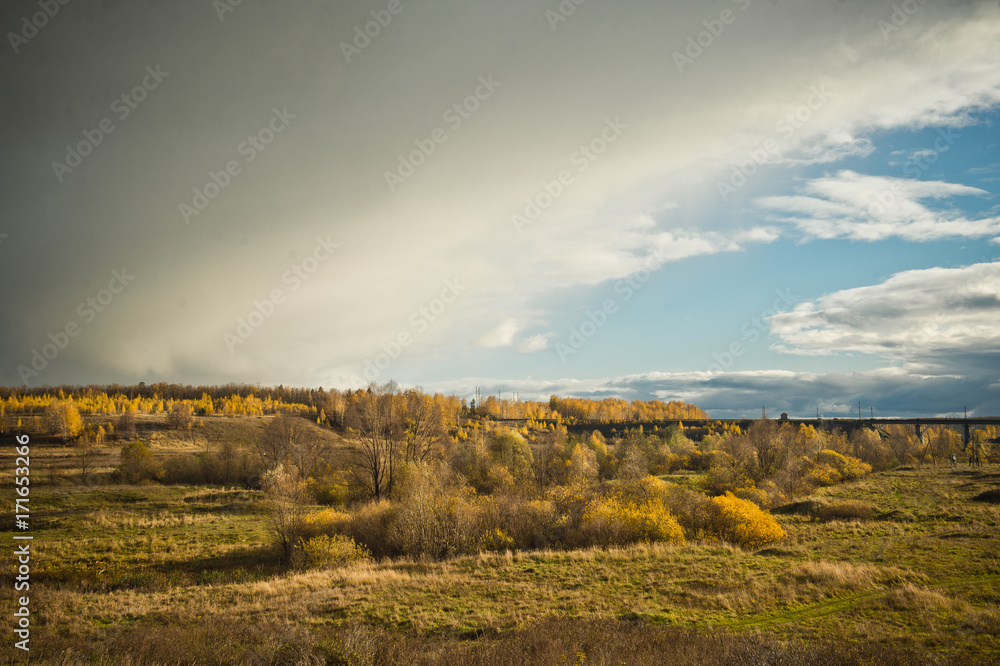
890,392
325,173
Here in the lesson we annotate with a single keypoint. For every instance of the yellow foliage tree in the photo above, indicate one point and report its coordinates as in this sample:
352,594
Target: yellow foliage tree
62,418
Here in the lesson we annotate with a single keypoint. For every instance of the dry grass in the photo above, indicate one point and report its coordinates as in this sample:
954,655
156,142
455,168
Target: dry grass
844,591
834,577
918,598
276,640
845,510
992,496
117,519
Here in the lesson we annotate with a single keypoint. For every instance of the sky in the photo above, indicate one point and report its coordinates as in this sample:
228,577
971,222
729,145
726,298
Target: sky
734,203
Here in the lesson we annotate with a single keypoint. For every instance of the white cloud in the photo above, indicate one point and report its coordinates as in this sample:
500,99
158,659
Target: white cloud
535,343
940,320
506,335
501,336
872,208
825,149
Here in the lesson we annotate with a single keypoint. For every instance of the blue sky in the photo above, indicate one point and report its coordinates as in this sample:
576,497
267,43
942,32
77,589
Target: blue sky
290,203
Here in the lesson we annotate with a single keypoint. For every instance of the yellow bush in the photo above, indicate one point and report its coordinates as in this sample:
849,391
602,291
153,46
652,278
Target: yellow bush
821,474
568,499
612,521
648,487
327,521
848,467
755,495
495,540
325,551
742,523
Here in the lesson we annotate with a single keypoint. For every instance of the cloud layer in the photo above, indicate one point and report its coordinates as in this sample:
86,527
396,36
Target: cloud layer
586,128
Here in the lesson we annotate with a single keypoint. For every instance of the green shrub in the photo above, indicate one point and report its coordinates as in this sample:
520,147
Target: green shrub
137,464
327,492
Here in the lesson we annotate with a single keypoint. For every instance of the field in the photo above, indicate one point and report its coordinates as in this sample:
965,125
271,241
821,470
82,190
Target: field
900,566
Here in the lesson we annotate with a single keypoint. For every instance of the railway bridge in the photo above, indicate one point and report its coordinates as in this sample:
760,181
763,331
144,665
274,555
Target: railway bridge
963,424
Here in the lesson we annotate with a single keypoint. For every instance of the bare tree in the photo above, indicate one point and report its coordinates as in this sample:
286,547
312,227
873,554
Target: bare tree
88,451
287,501
180,416
291,440
126,426
375,418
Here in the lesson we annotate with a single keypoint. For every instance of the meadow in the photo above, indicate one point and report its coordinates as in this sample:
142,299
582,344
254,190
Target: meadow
898,567
231,525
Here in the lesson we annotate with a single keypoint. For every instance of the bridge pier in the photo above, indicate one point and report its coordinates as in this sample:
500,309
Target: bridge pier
920,437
